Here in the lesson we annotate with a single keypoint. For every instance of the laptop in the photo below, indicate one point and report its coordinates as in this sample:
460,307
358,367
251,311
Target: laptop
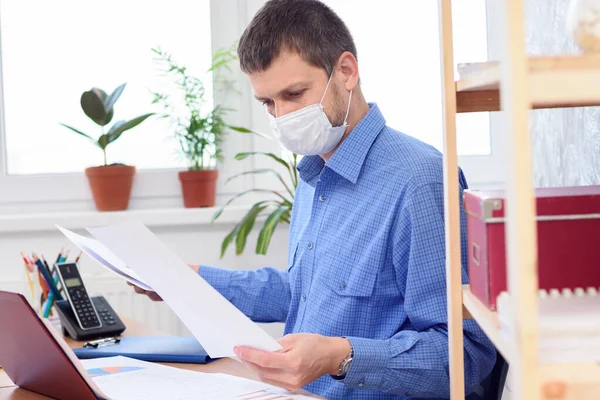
36,357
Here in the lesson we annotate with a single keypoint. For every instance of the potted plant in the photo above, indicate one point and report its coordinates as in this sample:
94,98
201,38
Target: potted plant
199,133
276,207
110,183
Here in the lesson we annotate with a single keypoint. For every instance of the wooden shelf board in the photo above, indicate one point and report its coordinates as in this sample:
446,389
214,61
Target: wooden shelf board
488,321
570,381
555,82
559,381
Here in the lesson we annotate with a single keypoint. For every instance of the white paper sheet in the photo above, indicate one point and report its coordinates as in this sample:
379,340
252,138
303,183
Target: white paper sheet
123,378
99,253
213,320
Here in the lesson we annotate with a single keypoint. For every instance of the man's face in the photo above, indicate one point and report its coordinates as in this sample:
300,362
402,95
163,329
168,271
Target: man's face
290,83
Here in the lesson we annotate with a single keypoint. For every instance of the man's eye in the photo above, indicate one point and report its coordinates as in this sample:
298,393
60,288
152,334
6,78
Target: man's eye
295,94
267,103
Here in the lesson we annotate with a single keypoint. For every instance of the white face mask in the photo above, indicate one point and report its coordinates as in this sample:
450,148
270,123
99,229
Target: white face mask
308,131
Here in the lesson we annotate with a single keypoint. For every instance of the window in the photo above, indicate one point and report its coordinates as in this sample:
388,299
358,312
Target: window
66,47
398,44
49,57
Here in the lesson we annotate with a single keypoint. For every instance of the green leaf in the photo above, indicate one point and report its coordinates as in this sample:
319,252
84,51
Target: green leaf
228,239
242,156
121,126
92,103
263,171
112,99
245,130
220,211
246,225
238,228
103,141
264,237
77,131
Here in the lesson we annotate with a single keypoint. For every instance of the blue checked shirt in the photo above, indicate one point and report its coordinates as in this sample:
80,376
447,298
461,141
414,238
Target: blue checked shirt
367,261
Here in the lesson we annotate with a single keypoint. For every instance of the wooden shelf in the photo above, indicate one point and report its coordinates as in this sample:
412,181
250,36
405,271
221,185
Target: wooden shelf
555,82
570,381
559,381
488,321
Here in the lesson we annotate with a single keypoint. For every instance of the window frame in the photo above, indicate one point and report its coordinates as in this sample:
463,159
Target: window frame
487,171
152,188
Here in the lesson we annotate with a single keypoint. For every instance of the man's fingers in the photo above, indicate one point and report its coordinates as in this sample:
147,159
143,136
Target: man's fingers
139,290
261,358
154,296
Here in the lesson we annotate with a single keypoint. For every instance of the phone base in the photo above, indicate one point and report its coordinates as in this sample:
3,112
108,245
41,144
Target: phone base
71,327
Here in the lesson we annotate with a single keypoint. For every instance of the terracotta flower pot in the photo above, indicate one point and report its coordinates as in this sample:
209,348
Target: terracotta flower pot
199,187
111,186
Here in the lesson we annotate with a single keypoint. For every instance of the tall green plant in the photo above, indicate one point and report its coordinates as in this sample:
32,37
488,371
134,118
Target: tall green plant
276,207
200,133
99,107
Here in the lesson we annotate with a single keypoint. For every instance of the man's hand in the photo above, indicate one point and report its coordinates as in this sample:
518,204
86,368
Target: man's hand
304,358
153,295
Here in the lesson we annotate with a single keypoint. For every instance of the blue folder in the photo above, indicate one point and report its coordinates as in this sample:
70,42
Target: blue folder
172,349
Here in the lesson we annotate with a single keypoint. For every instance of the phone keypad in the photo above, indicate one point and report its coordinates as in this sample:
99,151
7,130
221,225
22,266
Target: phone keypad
107,316
84,309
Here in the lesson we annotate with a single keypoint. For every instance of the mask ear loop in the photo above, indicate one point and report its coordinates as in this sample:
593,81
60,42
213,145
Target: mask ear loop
326,87
348,109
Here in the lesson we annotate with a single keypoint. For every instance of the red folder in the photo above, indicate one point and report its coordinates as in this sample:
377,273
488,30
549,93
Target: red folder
32,356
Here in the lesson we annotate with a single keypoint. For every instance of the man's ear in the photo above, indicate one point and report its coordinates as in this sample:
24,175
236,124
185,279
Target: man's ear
348,66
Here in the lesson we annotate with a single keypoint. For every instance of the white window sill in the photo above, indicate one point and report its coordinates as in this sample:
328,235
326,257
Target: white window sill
45,222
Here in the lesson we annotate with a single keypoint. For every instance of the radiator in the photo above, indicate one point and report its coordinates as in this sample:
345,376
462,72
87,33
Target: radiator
124,301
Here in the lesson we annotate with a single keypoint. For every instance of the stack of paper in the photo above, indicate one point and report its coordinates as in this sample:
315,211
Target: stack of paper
122,378
133,252
569,325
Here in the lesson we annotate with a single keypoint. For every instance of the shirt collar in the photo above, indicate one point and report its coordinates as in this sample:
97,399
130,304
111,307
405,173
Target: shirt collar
348,159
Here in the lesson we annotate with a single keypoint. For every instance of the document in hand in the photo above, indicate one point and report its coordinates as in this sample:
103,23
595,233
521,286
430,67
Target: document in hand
217,324
99,253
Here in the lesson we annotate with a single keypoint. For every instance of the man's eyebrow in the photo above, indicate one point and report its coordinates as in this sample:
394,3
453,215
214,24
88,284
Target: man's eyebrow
291,88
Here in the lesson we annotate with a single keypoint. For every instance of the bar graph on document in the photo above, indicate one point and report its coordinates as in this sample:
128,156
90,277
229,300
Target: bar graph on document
267,395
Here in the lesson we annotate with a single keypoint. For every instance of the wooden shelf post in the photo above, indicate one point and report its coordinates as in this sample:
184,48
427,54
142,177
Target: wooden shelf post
452,207
521,233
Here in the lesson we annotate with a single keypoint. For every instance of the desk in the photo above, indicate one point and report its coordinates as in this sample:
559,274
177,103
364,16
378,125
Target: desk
8,391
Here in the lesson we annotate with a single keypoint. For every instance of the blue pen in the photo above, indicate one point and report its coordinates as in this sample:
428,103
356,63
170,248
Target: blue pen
48,279
50,300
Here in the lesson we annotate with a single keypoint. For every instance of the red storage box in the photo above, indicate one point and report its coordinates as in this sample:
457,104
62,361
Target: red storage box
568,226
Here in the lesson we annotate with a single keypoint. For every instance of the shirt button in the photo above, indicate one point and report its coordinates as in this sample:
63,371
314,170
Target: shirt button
361,383
322,198
303,297
310,245
342,286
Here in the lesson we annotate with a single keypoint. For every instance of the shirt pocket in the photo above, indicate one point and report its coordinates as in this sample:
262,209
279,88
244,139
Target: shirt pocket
355,282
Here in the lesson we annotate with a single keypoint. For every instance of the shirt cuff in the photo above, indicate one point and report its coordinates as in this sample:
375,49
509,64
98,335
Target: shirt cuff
218,278
371,357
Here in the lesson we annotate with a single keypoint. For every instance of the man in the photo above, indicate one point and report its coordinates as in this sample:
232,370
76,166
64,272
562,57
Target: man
363,297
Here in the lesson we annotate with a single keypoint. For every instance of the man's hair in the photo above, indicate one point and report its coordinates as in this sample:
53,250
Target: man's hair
307,27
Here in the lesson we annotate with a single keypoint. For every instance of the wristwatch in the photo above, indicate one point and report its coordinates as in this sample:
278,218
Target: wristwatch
345,364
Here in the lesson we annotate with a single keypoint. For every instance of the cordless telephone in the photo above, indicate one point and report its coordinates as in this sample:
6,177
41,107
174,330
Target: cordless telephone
77,295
